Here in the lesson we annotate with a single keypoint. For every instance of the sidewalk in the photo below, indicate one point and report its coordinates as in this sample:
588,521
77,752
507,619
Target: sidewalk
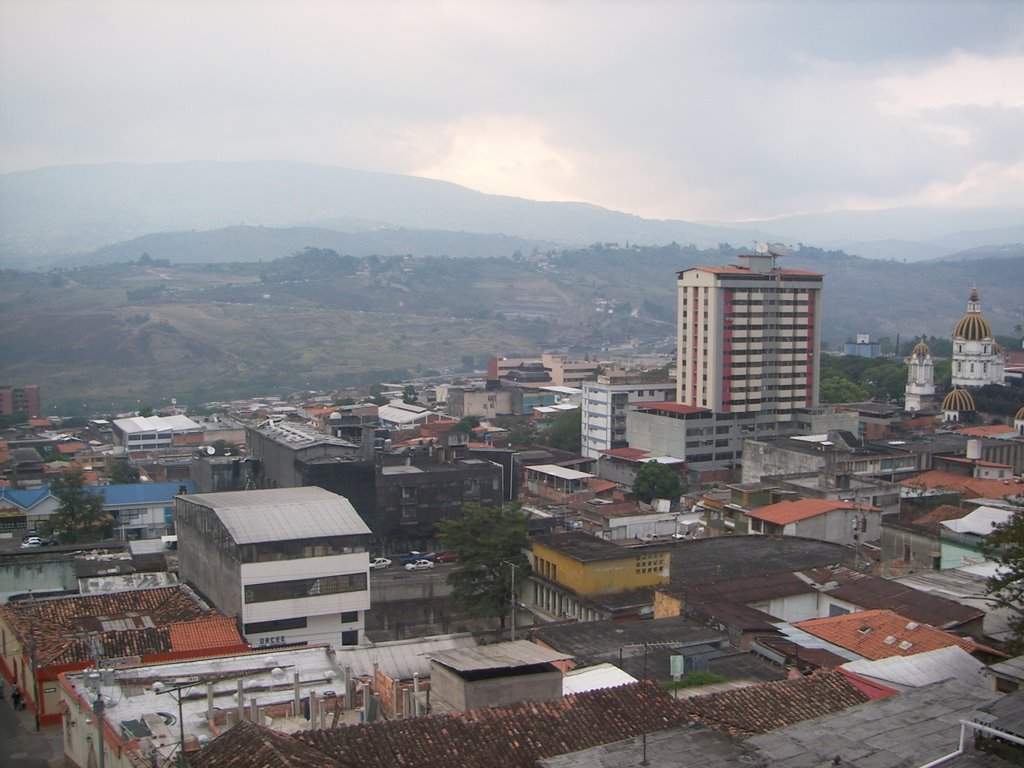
24,745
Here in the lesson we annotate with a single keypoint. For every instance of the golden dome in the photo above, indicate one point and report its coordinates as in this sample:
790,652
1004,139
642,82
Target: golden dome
1020,414
921,350
958,400
973,326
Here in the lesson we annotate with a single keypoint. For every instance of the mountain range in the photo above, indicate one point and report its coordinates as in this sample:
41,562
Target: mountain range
87,213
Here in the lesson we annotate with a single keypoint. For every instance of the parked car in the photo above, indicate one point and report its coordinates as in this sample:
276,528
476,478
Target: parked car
419,565
380,562
413,556
447,557
31,541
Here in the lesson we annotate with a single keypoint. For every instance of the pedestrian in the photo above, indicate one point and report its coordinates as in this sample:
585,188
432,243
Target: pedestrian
16,697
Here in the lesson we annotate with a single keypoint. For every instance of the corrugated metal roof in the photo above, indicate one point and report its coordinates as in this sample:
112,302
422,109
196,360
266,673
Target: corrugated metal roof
520,653
594,678
400,659
979,522
142,493
557,471
176,423
282,514
921,668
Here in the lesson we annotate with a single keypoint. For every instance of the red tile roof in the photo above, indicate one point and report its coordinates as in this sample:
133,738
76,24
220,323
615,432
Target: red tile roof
985,431
626,453
881,634
745,712
206,634
784,512
521,735
133,623
514,736
972,487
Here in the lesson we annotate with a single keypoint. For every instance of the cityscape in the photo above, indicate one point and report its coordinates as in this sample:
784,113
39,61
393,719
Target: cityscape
534,385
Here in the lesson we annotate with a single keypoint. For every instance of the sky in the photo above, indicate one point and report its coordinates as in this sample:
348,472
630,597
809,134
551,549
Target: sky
705,111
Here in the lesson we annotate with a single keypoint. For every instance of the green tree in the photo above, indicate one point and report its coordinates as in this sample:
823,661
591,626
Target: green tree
123,473
491,542
523,433
658,481
377,395
1005,545
466,424
836,388
146,411
564,432
80,515
409,395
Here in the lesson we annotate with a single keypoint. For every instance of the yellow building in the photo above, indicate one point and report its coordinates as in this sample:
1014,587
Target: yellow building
576,575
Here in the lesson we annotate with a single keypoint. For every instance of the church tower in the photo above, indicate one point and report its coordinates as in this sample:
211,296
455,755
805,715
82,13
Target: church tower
920,379
977,359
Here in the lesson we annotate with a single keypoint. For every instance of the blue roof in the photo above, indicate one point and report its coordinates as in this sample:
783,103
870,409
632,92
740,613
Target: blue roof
143,493
26,499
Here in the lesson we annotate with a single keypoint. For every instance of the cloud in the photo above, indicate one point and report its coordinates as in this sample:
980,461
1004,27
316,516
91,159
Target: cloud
693,110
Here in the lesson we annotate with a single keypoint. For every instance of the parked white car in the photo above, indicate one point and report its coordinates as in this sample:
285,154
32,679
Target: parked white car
419,565
380,562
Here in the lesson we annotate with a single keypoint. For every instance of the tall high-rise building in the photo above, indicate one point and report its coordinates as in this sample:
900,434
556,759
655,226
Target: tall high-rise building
748,337
19,400
746,364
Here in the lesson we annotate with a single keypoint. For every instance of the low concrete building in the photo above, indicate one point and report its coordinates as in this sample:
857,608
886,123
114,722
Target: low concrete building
494,675
291,563
147,710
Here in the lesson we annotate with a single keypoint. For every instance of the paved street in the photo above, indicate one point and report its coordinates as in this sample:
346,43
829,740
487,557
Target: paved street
23,746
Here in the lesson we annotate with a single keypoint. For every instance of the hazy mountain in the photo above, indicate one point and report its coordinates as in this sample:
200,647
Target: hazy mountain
245,243
1013,251
72,209
909,234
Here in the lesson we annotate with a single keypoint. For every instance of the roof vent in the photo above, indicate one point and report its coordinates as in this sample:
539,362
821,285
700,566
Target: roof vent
912,625
890,640
906,645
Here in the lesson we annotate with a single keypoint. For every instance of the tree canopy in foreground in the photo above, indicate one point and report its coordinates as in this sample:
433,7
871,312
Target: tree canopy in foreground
491,542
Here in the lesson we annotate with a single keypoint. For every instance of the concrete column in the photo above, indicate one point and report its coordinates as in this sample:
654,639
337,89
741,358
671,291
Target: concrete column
241,700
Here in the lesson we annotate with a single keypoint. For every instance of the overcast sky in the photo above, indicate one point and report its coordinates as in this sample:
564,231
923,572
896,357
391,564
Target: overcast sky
700,111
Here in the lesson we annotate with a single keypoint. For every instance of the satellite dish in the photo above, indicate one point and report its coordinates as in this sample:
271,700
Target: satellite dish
778,249
761,247
210,450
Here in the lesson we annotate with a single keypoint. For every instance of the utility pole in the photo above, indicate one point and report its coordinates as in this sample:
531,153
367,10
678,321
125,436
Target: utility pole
178,694
512,603
36,687
94,680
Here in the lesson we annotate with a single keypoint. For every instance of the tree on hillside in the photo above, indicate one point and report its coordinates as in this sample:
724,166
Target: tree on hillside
80,516
564,432
146,411
658,481
491,542
409,396
1005,545
122,473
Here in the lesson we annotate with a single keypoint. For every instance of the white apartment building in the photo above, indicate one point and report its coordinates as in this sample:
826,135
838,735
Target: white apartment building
747,365
291,563
156,433
604,407
748,338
